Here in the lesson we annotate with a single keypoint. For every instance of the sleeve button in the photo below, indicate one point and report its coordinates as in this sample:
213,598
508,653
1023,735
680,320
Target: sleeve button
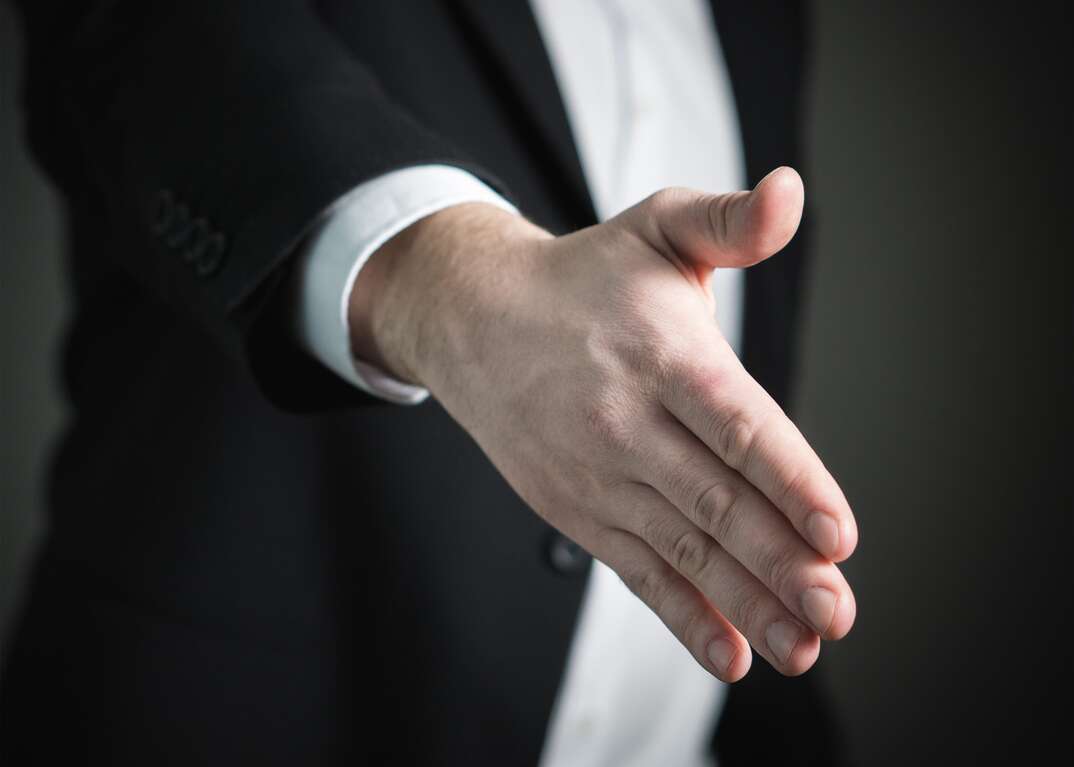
163,211
211,256
197,240
178,227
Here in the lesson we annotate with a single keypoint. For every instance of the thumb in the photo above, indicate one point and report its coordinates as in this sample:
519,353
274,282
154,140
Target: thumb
730,230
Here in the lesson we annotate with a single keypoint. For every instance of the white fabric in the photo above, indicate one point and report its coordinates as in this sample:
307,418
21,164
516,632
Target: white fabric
650,105
359,223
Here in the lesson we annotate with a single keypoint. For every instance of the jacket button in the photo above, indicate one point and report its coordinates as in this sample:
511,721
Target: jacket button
565,556
163,211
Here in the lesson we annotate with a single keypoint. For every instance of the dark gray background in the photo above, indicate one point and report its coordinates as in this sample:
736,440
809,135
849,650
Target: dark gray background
936,380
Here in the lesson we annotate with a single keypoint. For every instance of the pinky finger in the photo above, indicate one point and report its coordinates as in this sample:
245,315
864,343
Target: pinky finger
715,644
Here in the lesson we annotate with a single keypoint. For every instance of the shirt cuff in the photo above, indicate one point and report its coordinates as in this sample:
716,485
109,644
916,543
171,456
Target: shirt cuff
354,227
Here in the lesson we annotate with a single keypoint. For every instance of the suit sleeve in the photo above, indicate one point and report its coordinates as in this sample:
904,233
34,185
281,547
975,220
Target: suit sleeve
212,135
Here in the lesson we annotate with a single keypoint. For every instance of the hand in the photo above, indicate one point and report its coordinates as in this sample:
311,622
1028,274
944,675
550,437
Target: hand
591,371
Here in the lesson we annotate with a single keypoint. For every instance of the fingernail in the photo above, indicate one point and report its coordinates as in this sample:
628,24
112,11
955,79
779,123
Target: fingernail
721,653
818,604
781,637
823,533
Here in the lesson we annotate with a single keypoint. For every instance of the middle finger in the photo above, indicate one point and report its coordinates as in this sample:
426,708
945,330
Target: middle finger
742,520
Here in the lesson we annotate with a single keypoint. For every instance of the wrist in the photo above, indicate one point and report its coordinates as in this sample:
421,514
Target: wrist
421,300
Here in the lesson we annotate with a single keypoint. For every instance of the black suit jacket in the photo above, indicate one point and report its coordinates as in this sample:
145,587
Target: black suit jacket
250,561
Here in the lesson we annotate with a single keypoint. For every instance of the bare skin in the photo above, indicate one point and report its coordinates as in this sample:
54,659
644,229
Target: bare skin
591,372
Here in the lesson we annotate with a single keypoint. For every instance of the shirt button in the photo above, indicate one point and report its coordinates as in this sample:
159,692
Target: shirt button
565,556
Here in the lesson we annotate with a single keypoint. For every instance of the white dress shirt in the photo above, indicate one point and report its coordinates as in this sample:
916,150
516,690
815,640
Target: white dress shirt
650,105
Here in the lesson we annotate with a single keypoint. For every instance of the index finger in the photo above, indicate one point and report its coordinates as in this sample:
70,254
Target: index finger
737,419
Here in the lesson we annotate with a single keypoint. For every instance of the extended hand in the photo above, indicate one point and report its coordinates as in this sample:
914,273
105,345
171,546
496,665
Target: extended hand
591,371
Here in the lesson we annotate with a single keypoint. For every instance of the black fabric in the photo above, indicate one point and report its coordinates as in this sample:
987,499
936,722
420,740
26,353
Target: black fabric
249,561
766,53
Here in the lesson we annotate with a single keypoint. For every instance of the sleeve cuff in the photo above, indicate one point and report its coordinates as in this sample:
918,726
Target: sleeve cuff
355,226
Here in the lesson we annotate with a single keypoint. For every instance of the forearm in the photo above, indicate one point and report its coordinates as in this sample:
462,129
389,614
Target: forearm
590,370
205,204
424,296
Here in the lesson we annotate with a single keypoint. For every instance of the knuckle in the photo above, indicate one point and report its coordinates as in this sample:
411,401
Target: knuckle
663,363
695,630
713,506
736,439
665,355
720,211
776,567
664,199
700,381
792,486
690,552
728,520
606,424
717,209
676,366
649,351
748,605
650,585
646,342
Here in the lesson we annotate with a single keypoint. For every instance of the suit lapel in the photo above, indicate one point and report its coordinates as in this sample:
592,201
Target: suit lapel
506,33
765,46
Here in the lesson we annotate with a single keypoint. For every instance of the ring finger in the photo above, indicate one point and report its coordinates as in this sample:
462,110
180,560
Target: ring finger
747,603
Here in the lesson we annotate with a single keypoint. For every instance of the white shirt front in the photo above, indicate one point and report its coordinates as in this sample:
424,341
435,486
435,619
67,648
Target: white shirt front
650,105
